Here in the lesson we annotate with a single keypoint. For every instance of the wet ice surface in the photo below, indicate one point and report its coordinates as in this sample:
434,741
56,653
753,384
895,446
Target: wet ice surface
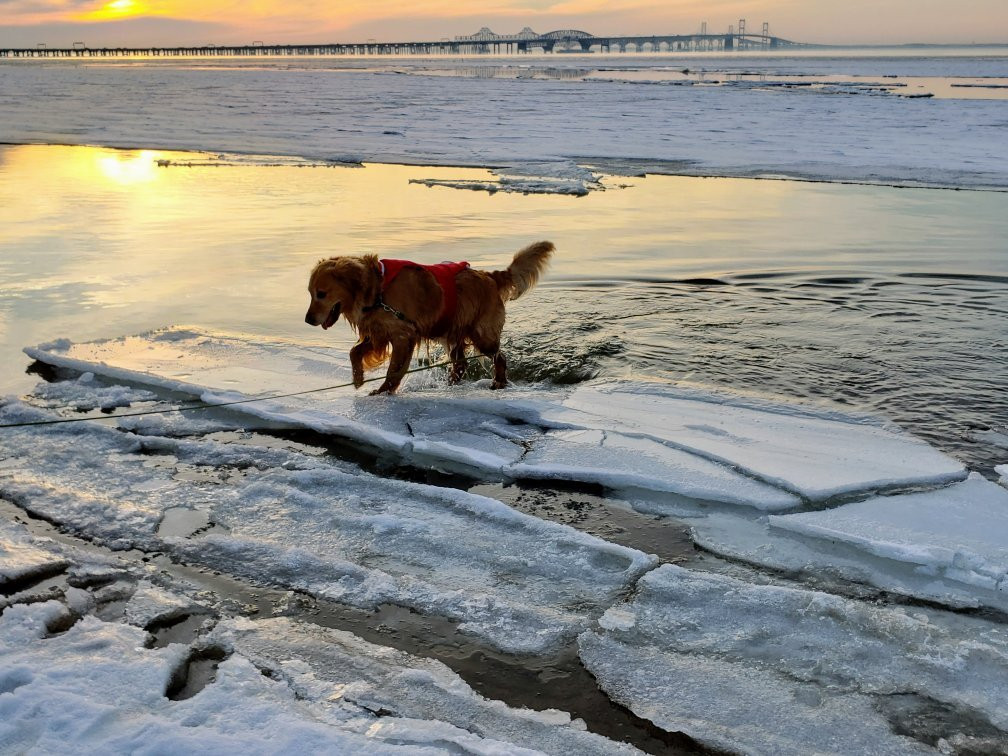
757,662
116,649
98,687
335,665
781,669
959,533
623,435
520,582
371,115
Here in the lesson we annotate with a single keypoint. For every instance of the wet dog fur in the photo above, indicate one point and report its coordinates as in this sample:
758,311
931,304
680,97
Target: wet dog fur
351,285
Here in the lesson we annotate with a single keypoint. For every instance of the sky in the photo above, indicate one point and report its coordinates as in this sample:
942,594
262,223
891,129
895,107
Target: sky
60,23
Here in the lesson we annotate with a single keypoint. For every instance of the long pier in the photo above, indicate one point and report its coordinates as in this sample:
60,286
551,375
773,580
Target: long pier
484,42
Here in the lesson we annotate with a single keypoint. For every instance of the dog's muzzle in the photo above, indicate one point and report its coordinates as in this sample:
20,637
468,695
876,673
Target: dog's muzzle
333,316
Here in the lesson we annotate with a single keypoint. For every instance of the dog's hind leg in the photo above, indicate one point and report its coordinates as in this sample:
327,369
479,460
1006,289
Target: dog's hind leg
500,370
492,349
458,360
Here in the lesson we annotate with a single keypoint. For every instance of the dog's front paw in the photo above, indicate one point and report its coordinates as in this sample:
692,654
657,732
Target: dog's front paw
498,385
383,389
358,380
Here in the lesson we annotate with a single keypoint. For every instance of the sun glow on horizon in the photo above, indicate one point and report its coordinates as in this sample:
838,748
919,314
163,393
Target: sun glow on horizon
115,9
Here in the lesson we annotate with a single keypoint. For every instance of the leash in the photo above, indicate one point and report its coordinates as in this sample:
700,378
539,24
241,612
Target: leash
205,406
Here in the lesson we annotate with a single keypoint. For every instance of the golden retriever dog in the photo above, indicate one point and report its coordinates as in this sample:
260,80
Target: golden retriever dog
394,305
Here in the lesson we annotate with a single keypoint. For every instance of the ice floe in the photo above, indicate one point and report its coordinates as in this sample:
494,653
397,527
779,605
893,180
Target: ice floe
831,563
779,669
287,519
80,666
559,177
21,558
958,534
817,455
98,688
622,435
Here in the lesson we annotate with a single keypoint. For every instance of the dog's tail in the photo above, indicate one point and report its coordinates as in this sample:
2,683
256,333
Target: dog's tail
524,271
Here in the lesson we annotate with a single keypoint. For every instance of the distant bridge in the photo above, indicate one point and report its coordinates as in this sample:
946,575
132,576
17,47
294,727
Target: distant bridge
483,42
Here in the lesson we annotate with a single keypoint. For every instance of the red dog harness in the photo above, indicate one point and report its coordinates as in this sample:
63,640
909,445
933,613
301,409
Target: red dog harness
444,273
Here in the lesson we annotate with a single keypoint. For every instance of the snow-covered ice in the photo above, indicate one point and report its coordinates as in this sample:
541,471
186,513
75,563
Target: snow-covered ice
814,454
779,669
333,665
98,688
296,521
84,669
832,563
958,534
757,665
623,435
86,395
20,558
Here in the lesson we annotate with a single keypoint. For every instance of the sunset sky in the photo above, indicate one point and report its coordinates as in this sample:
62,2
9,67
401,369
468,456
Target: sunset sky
26,23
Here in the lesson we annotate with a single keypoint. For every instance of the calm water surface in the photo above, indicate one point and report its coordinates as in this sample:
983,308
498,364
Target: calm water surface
890,301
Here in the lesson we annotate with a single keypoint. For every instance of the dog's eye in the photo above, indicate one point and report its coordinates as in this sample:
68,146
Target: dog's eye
320,294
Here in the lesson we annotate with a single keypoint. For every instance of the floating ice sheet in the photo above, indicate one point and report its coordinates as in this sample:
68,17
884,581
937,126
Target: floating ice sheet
815,454
832,563
957,534
741,666
649,436
736,707
288,519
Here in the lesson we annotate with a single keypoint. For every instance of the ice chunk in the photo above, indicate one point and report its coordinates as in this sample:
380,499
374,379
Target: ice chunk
21,558
88,476
287,519
621,461
334,665
97,689
830,562
619,434
776,641
1002,470
86,393
465,429
814,454
523,583
737,707
150,604
958,534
